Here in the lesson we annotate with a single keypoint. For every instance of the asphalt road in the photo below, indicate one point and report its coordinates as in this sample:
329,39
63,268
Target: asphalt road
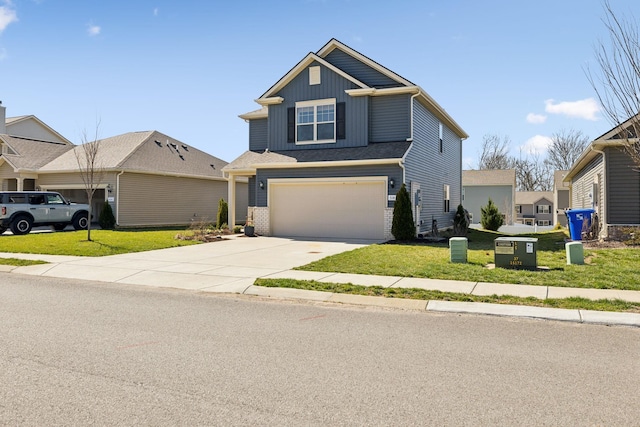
80,353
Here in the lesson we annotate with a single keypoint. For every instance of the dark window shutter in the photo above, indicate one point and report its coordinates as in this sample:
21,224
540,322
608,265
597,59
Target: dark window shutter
341,131
291,124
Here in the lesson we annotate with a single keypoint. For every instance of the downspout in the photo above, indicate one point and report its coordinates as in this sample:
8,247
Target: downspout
118,197
414,96
604,193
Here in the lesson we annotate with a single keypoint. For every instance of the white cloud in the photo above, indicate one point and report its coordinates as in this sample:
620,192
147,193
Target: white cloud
8,15
538,144
536,118
93,30
155,12
583,109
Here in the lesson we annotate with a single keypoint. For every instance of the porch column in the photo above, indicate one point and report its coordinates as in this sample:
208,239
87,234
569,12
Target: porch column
231,186
19,184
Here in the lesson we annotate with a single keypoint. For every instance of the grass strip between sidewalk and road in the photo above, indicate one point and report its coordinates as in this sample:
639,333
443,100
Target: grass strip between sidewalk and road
574,303
20,262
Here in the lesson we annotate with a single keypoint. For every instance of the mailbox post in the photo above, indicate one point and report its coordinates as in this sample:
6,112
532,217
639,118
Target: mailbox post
516,252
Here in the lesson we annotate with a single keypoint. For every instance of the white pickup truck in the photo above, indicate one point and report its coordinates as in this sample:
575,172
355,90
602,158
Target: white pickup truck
22,210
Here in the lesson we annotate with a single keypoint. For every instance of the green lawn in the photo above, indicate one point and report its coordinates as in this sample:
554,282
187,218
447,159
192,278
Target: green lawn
19,262
604,268
104,242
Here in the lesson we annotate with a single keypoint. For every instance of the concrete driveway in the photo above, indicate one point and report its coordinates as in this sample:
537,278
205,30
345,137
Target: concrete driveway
226,266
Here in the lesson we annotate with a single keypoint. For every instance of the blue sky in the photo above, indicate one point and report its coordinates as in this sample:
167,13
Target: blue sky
189,68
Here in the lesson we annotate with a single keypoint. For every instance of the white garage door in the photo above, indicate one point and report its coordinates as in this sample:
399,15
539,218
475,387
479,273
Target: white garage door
334,209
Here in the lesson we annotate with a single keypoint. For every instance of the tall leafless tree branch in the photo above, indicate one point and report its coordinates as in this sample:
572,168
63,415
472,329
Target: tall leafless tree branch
566,146
617,78
495,152
90,167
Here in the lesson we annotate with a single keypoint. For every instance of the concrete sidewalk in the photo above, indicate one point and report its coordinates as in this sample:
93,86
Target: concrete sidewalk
233,265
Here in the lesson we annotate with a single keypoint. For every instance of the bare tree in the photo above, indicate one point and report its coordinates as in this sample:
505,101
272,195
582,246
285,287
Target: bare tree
495,152
566,146
617,81
91,170
533,174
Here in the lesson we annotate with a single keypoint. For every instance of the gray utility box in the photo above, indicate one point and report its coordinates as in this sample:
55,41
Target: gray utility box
516,252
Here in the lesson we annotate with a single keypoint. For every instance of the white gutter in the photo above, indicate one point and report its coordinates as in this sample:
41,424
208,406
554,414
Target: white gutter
118,197
327,164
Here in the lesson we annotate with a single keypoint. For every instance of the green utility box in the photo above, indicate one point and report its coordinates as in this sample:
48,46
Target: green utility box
516,252
575,253
458,249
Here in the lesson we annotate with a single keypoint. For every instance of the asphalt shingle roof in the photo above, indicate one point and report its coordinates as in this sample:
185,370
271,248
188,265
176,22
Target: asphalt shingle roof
489,177
32,154
531,197
382,150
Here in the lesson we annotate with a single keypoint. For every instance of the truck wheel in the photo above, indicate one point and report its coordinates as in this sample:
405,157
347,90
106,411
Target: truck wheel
81,221
21,225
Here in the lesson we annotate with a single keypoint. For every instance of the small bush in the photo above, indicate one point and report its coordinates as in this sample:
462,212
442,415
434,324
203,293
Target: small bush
223,213
106,219
237,229
491,219
402,227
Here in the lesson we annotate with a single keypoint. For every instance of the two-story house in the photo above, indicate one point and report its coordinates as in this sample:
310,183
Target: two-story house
534,208
335,139
478,186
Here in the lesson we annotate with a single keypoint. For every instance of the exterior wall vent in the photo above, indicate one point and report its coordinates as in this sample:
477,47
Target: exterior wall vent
314,75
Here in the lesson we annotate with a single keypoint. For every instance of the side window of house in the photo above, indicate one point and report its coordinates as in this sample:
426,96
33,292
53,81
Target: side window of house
446,196
519,209
543,209
313,122
441,137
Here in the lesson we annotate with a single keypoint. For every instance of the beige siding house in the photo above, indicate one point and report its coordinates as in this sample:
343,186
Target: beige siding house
480,185
561,197
605,179
150,179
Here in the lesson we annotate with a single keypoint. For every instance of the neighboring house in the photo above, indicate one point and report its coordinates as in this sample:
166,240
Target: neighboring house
605,179
478,186
150,179
534,208
561,197
333,142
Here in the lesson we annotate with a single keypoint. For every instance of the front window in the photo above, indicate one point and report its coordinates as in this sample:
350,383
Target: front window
543,209
315,121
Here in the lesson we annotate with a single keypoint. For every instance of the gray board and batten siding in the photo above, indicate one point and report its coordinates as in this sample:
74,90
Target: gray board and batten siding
332,86
392,171
433,169
623,188
258,134
360,70
389,118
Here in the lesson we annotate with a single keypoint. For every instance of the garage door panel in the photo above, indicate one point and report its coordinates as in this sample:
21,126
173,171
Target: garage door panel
345,209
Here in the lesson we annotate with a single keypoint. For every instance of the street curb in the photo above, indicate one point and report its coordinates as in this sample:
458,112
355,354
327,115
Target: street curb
7,268
438,306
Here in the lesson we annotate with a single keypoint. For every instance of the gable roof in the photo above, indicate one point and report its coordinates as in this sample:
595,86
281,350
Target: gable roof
364,90
531,197
148,152
30,154
489,177
12,121
606,140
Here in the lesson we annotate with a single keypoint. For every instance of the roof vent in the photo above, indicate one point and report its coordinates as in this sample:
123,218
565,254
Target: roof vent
175,147
181,156
185,148
212,166
158,143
